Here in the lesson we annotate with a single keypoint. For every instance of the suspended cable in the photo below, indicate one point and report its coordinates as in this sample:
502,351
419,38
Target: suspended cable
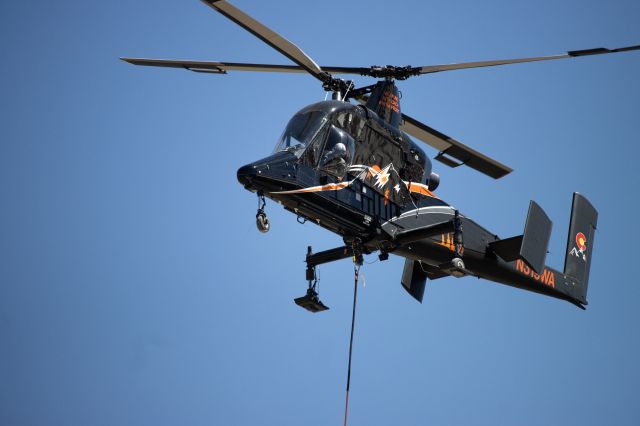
357,262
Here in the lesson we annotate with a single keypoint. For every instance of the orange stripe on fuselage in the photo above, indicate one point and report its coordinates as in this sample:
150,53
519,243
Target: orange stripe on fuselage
328,187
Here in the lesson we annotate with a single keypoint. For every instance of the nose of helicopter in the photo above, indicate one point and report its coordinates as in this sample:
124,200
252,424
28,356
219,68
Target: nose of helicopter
269,173
246,173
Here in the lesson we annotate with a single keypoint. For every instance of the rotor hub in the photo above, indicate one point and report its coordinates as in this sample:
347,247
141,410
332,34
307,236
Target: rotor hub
392,72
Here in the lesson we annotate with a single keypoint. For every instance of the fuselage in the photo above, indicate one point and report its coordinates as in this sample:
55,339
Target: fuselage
376,185
381,157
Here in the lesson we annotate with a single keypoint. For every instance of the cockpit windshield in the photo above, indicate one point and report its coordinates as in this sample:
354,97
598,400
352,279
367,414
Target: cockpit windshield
300,131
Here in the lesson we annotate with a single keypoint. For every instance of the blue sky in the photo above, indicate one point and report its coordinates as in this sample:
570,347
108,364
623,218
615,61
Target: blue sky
135,289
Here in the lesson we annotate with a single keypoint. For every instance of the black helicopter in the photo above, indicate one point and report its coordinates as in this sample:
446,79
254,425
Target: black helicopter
353,169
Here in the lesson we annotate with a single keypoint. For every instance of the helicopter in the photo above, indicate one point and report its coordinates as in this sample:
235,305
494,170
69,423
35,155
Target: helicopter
354,169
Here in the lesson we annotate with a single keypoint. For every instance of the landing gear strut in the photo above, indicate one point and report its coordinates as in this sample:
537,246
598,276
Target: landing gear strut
262,221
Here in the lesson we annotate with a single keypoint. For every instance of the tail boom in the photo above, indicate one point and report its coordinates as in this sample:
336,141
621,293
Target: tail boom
572,283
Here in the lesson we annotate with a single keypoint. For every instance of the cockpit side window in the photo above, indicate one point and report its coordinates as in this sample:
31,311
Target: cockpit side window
350,122
312,155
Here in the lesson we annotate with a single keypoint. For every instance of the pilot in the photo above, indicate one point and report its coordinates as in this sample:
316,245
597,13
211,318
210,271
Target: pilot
336,159
338,151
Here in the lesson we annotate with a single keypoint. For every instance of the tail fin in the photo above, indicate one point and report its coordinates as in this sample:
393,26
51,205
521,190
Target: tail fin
584,218
414,279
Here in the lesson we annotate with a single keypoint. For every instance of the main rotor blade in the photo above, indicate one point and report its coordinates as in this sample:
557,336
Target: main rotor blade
573,54
450,148
269,36
216,67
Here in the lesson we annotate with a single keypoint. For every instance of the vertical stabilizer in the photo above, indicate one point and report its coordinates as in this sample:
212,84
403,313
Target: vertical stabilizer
414,279
584,219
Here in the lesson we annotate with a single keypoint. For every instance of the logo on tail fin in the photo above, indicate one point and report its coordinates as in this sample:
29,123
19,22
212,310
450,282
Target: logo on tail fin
580,248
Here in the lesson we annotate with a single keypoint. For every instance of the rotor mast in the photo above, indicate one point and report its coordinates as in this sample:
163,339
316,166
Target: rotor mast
385,101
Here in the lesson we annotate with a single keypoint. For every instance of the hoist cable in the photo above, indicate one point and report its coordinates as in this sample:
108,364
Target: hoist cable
353,323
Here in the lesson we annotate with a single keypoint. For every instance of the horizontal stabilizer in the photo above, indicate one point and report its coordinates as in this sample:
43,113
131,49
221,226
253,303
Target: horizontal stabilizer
532,245
508,249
